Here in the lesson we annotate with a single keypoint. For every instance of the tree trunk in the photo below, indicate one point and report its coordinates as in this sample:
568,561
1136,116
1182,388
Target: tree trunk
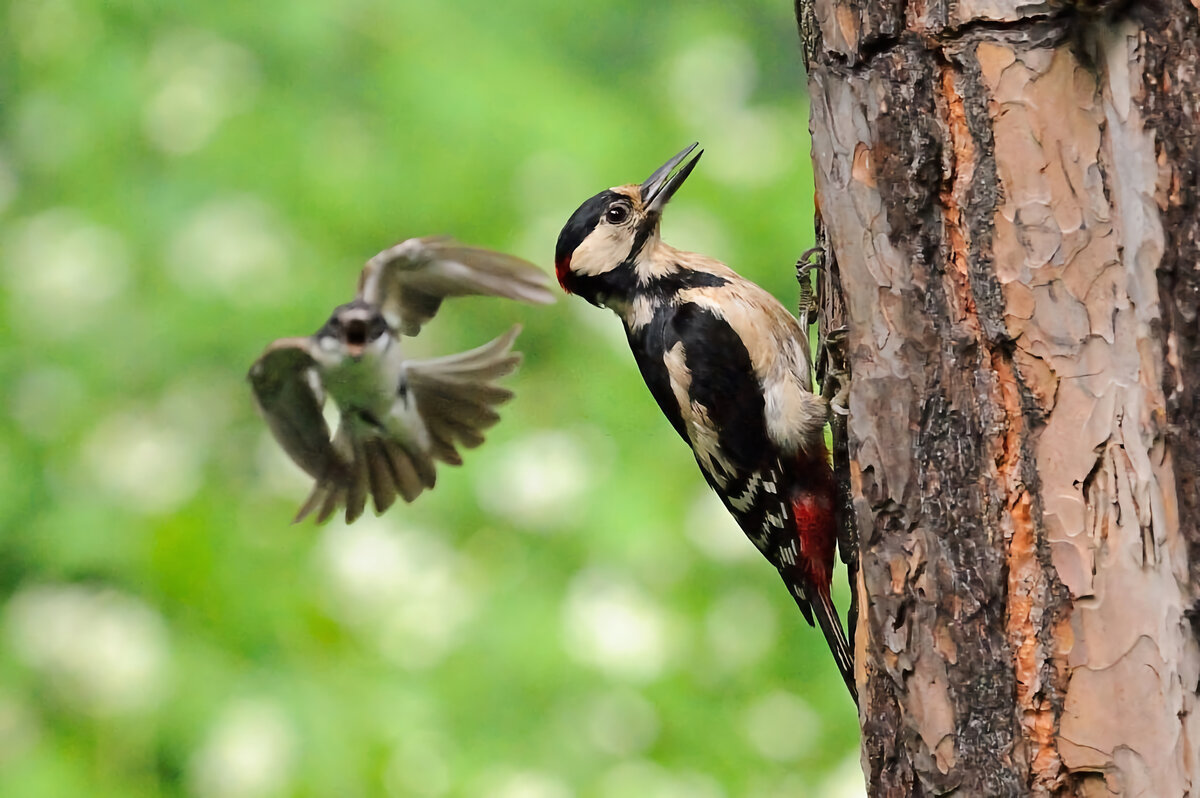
1009,196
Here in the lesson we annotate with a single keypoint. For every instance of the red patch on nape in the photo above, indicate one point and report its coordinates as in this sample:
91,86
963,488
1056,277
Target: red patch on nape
562,270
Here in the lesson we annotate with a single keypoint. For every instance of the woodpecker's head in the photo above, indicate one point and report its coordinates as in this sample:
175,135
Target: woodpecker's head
604,237
354,330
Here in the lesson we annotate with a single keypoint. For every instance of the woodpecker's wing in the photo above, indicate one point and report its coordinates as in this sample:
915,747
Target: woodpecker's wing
288,392
713,380
409,280
456,395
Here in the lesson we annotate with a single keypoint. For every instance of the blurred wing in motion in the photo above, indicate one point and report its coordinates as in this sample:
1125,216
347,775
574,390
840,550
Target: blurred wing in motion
288,392
409,280
456,395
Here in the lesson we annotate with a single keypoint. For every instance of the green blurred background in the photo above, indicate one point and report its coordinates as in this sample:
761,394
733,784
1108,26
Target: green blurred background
571,613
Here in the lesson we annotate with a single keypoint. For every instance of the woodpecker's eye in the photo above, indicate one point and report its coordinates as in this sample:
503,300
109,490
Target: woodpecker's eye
616,214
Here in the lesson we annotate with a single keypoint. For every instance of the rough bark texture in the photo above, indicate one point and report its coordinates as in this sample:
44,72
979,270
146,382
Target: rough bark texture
1010,193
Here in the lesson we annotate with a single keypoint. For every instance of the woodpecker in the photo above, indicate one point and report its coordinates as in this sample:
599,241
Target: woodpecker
397,416
729,367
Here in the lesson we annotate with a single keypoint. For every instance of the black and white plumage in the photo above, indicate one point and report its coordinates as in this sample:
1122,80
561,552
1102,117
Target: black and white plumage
729,367
397,416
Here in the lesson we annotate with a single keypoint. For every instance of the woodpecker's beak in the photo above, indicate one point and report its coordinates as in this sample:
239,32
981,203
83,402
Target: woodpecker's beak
660,186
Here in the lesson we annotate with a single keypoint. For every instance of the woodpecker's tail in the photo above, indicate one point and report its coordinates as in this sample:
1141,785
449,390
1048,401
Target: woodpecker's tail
831,626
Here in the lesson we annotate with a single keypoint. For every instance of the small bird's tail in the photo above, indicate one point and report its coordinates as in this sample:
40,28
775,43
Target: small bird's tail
456,396
831,626
376,468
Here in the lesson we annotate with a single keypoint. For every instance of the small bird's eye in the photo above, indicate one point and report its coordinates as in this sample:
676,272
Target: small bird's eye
616,214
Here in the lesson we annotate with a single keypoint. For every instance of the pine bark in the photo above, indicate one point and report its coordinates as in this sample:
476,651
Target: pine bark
1009,199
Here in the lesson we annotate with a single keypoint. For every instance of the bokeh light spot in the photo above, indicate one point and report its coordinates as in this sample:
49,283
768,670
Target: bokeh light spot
201,80
741,628
781,726
62,271
621,722
714,533
538,482
250,752
405,589
104,652
149,465
612,624
234,246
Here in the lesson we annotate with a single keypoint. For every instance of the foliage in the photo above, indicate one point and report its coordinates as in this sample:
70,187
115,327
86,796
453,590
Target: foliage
570,613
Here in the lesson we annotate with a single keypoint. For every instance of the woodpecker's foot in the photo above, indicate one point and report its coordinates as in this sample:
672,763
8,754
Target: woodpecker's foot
811,259
835,384
838,402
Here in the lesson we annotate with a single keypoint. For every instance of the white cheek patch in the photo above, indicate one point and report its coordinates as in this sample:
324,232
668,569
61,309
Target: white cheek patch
602,251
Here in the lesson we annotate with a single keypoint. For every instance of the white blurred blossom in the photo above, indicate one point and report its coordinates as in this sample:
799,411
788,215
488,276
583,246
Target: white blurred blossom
149,464
711,84
104,652
524,784
846,781
45,29
611,623
250,752
235,246
781,726
713,75
405,588
645,779
754,145
62,270
621,722
714,533
200,80
539,481
741,627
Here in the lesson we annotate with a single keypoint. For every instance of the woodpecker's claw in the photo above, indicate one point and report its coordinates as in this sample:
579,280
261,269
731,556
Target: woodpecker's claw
811,258
835,386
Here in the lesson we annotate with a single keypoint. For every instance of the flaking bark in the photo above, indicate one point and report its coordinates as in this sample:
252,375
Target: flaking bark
1010,198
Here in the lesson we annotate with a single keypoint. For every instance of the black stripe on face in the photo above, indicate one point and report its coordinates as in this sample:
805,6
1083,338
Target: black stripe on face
645,228
581,224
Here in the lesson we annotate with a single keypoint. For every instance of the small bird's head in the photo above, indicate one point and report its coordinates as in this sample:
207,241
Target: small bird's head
609,231
355,329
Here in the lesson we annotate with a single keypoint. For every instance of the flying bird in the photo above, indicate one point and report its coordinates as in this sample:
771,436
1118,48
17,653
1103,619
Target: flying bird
729,367
398,417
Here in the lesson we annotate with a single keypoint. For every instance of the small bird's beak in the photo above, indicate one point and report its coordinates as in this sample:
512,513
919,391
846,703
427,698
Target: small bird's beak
660,186
356,337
